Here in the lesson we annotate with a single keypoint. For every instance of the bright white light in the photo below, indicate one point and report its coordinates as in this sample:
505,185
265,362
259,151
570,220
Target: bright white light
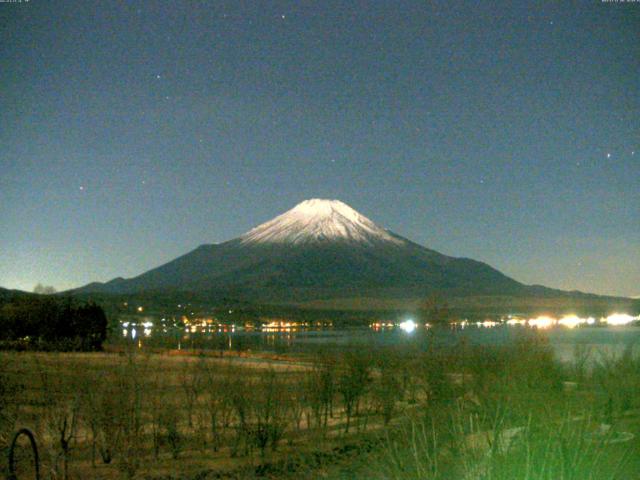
571,321
133,333
541,322
620,319
147,332
408,326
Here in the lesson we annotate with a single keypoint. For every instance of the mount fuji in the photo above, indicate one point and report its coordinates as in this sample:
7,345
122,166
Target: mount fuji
318,220
320,249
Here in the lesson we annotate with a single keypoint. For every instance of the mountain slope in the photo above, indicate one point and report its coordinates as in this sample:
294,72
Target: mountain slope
319,249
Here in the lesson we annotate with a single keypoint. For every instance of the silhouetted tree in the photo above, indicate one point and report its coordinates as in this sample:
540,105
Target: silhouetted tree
44,290
52,324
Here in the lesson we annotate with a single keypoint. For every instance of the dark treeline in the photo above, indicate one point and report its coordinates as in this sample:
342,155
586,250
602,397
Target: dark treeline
49,323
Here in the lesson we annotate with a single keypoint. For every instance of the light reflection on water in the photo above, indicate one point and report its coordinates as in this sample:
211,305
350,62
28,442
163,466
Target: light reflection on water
561,332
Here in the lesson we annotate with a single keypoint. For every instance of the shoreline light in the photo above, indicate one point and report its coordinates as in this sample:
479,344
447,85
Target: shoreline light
541,322
408,326
487,324
570,321
516,321
619,319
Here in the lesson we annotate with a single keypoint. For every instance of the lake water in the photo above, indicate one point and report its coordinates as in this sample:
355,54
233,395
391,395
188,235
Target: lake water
604,339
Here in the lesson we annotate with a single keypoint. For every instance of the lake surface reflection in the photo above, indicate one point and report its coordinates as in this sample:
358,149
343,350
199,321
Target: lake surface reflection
606,338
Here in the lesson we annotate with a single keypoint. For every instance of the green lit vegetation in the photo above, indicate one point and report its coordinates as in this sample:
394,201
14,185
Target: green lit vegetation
420,412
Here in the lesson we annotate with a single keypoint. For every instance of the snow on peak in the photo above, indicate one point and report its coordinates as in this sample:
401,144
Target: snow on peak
319,219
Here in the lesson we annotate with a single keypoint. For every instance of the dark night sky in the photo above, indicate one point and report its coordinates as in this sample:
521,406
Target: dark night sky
132,132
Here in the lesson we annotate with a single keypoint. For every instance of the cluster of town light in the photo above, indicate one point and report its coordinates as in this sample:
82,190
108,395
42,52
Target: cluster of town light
283,326
408,326
569,321
572,321
133,329
540,322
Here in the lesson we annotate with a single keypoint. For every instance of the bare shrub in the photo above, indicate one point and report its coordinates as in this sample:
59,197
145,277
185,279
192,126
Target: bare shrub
128,411
170,420
387,387
192,381
434,374
353,379
61,415
270,408
320,385
218,404
239,395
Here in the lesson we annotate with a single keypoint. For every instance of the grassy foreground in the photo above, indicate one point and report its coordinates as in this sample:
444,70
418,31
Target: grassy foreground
464,412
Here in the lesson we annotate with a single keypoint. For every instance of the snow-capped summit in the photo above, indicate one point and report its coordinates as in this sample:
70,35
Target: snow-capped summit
316,220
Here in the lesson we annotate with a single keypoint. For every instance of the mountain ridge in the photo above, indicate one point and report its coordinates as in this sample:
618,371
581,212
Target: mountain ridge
319,250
